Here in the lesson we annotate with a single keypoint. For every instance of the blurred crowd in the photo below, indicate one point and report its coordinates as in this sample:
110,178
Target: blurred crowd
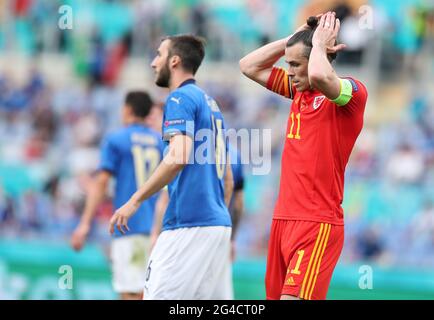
50,134
102,34
49,150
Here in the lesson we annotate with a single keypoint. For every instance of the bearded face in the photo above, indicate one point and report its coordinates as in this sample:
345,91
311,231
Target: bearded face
160,64
163,76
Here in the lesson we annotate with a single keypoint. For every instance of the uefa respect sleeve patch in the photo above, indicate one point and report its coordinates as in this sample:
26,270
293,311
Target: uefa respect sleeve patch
174,122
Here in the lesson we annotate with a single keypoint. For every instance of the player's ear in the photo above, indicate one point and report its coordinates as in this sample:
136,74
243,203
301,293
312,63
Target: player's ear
128,110
174,61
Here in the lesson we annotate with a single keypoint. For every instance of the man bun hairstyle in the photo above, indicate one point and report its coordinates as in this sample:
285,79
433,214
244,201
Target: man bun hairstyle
190,48
305,37
140,103
312,22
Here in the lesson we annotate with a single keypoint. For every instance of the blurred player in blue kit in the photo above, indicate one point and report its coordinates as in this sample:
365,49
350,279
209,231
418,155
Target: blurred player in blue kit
129,155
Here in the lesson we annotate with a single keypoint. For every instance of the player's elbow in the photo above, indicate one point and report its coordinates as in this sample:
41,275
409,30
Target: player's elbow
246,67
243,64
174,164
317,78
178,165
179,152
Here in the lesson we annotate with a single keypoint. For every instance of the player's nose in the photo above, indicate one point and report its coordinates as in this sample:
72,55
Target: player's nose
153,64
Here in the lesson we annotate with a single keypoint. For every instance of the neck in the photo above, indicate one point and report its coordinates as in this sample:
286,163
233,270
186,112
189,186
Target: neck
178,78
132,121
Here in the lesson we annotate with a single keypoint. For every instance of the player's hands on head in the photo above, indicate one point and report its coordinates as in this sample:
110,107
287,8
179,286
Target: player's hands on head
306,26
121,216
331,48
79,236
326,33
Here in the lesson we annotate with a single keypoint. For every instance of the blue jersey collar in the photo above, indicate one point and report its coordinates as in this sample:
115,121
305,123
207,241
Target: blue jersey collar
188,81
136,124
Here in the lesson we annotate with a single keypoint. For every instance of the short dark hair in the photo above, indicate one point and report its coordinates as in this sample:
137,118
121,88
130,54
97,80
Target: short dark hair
305,37
140,103
190,48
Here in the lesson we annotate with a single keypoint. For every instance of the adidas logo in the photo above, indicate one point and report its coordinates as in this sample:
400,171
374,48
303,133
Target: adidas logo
290,281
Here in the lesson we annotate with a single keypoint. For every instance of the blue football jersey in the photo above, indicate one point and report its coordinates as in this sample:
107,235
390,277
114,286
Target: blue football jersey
196,194
131,155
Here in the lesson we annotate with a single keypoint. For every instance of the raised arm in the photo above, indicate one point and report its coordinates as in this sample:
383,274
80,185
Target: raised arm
258,64
321,74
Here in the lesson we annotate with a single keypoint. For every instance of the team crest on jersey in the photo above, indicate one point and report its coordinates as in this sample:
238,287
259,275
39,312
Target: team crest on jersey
317,102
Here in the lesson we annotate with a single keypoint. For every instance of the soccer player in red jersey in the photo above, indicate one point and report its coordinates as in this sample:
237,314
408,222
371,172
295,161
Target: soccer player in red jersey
325,119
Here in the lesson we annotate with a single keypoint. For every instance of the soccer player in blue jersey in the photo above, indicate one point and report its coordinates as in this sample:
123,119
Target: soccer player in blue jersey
129,155
190,256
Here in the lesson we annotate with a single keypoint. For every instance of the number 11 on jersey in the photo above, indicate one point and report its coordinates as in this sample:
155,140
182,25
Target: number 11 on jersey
297,133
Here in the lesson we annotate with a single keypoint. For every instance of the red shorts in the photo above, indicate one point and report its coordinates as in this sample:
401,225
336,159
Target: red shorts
301,258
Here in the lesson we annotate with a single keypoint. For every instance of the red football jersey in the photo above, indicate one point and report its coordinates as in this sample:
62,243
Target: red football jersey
319,139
